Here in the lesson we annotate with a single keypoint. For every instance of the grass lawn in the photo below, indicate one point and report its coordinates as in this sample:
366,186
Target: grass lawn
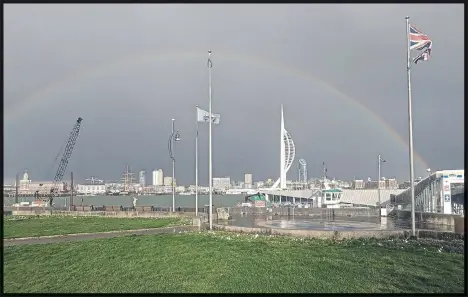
228,262
15,226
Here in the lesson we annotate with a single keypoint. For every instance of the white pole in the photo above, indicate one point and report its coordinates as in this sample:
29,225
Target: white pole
210,164
196,168
173,166
410,121
378,183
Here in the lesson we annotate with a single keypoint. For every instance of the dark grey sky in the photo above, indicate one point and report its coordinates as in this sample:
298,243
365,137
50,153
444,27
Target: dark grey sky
129,69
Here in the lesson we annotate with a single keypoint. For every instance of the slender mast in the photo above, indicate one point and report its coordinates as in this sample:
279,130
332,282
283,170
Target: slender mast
72,186
17,188
378,184
173,166
410,121
196,166
210,165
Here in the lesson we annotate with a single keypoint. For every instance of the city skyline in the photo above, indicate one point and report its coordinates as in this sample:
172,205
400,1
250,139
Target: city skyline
242,179
344,105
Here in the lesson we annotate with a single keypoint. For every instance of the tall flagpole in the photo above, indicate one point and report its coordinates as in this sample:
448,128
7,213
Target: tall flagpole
196,168
378,186
408,71
210,164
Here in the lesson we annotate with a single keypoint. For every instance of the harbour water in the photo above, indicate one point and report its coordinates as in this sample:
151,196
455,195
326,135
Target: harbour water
127,201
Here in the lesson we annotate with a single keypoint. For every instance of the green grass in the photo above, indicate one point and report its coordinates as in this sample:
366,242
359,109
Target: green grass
226,262
14,227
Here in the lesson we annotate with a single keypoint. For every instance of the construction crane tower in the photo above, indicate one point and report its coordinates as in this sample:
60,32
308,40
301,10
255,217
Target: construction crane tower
64,161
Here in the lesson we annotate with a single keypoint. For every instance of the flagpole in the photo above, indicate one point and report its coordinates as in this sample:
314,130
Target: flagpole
210,163
410,121
196,167
378,187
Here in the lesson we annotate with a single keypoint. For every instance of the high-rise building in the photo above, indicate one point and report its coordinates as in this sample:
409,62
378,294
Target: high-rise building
158,177
302,170
248,180
142,178
168,181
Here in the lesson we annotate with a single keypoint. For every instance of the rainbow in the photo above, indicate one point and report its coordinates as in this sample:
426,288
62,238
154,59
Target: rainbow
43,93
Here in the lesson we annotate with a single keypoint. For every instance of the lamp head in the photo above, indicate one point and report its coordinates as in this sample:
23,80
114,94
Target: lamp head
428,169
177,136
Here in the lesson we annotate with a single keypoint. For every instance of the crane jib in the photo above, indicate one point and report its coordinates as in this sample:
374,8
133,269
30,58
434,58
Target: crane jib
65,157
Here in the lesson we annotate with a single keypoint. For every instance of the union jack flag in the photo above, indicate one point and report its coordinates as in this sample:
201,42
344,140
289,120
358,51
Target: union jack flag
421,42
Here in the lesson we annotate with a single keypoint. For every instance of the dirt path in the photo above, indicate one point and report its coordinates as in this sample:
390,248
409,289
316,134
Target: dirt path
86,236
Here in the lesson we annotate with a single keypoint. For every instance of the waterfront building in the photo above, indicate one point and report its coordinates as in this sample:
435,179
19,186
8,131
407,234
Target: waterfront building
391,183
142,178
259,184
248,180
158,178
91,189
371,184
221,183
168,181
43,187
358,184
381,184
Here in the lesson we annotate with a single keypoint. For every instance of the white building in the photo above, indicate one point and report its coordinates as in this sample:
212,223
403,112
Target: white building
259,184
92,189
168,181
221,183
158,177
248,180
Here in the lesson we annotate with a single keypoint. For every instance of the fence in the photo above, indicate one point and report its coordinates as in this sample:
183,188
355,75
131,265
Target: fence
280,211
311,212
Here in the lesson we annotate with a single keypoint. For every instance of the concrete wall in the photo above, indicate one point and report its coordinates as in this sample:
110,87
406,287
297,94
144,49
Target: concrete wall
432,218
339,235
115,214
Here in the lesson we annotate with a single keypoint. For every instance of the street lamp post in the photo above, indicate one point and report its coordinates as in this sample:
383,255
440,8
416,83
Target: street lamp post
378,183
172,139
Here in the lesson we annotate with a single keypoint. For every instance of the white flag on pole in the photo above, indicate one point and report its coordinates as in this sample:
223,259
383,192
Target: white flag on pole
204,116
